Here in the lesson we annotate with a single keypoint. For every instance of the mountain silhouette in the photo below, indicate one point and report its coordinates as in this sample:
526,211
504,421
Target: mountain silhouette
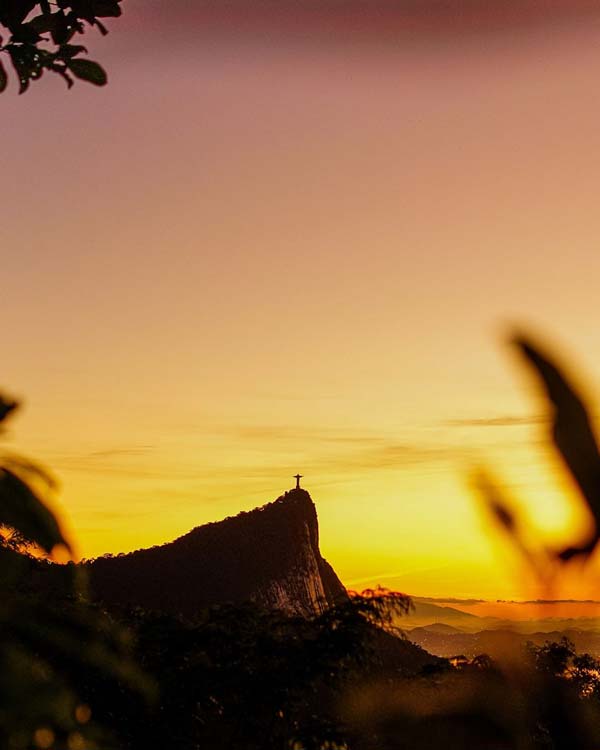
269,555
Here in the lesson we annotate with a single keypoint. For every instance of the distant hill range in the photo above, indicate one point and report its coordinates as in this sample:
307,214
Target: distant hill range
446,641
269,555
425,613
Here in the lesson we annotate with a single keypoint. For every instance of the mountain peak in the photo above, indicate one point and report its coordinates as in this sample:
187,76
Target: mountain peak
269,555
296,493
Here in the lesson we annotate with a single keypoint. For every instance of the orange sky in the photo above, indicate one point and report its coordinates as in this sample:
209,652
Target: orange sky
293,242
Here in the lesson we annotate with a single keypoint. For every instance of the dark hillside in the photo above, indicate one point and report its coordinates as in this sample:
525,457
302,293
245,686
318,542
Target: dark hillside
269,555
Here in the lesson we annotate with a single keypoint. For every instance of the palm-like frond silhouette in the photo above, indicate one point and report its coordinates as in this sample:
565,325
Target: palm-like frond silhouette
572,434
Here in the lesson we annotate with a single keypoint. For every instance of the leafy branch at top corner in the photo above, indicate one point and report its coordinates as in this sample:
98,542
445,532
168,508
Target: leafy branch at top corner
41,39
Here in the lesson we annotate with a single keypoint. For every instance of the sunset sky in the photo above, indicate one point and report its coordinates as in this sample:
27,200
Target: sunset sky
294,238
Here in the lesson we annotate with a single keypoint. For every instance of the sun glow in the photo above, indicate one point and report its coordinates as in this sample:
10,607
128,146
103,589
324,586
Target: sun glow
310,257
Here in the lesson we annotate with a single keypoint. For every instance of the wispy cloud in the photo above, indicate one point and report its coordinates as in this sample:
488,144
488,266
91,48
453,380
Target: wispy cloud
332,451
139,450
448,600
500,421
395,455
390,576
313,436
228,456
120,460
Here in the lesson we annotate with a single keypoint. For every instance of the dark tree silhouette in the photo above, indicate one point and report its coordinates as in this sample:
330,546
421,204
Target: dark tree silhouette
51,642
41,35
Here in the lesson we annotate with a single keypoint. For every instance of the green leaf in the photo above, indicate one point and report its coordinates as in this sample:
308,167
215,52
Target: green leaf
21,509
88,70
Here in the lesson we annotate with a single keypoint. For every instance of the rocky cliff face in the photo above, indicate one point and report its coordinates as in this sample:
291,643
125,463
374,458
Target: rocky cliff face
269,555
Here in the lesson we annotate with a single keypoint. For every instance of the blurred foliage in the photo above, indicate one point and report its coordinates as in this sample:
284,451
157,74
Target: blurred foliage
547,697
573,437
242,676
381,607
51,641
248,678
555,691
41,35
519,705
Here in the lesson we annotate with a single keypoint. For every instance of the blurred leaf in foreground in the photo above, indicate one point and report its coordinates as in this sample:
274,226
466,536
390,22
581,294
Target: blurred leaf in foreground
504,514
54,646
572,435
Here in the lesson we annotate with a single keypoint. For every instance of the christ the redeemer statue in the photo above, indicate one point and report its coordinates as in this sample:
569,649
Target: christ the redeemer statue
297,477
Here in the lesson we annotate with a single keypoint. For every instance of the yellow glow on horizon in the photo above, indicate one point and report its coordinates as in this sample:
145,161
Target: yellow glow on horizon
410,523
308,262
